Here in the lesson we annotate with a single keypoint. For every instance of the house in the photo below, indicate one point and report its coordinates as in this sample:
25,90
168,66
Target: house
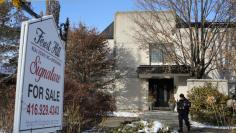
147,74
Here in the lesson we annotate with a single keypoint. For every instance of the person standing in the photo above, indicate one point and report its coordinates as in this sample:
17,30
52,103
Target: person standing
183,106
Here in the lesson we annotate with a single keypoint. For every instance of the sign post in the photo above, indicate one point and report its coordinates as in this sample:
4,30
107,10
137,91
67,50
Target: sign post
40,78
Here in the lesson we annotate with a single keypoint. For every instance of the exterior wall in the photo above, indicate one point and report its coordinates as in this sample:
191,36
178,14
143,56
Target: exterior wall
226,74
124,37
184,85
180,86
221,85
131,92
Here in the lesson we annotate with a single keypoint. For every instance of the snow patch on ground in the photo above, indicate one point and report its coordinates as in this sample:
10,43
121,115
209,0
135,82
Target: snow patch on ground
125,114
155,127
200,125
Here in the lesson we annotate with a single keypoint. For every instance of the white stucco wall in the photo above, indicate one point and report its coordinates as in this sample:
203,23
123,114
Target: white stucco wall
131,92
220,84
180,83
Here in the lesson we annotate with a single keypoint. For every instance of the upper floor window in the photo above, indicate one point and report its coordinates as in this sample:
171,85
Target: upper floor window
158,54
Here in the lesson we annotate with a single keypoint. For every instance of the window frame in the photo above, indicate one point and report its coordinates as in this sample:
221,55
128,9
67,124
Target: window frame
163,54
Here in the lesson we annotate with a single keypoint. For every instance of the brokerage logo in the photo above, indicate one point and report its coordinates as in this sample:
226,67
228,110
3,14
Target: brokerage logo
50,46
42,72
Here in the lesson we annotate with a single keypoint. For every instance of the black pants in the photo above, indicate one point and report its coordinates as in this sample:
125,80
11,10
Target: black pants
183,116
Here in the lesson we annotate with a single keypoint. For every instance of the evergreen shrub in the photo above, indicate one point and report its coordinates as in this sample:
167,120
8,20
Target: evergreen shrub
208,105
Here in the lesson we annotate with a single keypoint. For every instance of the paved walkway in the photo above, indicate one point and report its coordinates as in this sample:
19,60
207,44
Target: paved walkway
171,119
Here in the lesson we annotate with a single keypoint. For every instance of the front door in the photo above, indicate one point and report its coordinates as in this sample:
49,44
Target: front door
161,90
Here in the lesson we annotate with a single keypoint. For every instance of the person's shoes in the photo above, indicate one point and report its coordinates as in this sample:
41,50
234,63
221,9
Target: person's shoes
180,130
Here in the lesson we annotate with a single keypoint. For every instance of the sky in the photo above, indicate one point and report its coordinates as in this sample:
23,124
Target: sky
93,13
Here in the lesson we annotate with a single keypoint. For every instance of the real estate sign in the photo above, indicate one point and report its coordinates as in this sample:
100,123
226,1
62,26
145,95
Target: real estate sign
40,78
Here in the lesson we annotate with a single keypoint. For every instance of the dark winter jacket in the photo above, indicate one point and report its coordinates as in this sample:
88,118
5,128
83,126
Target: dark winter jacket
183,105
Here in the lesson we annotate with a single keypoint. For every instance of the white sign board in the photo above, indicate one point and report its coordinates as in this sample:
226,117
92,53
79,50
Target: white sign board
40,78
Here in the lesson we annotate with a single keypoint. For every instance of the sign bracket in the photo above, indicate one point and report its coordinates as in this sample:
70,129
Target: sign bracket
65,26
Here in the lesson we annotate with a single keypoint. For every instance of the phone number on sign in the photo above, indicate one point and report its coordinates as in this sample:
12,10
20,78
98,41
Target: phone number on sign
39,109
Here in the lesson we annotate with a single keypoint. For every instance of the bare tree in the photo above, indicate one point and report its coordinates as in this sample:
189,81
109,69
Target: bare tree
53,8
189,32
10,21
